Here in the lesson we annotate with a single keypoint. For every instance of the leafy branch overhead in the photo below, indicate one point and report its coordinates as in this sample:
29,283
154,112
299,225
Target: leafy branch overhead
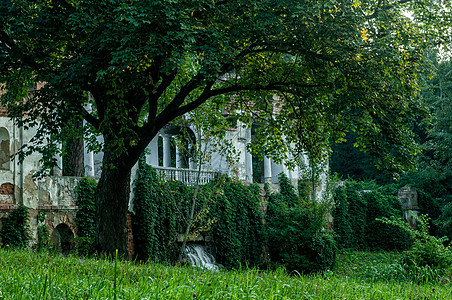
308,71
333,66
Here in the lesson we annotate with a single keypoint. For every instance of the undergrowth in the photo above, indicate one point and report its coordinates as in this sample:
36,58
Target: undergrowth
71,277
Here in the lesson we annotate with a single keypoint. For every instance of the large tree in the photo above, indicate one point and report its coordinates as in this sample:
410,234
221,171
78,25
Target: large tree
309,70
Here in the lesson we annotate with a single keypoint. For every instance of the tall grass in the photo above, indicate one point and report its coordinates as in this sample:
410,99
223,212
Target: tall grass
30,275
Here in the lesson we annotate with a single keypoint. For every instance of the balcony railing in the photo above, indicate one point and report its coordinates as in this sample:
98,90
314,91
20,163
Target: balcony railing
188,176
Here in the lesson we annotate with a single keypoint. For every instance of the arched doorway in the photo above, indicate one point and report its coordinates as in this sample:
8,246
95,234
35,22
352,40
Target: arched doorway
63,238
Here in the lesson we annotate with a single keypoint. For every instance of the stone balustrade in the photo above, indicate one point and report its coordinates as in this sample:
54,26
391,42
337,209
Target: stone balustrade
188,176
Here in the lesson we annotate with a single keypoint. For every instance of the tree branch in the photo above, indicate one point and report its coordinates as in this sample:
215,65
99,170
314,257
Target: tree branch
89,117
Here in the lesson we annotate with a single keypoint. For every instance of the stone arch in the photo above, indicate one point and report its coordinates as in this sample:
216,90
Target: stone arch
63,238
5,155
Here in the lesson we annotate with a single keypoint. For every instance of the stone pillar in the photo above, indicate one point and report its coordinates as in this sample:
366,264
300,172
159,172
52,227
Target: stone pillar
191,163
277,169
58,169
248,165
153,158
166,150
408,198
267,170
88,162
88,155
133,177
179,158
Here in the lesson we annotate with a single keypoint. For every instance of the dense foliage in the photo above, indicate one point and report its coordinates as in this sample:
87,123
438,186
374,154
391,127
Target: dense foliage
231,214
227,211
155,218
15,231
358,276
355,219
238,231
433,178
332,67
296,231
85,217
428,252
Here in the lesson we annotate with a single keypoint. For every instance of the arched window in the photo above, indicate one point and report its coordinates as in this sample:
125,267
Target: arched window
4,149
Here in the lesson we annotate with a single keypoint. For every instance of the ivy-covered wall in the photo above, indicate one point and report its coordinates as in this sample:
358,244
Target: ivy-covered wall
225,210
296,230
355,221
86,213
15,230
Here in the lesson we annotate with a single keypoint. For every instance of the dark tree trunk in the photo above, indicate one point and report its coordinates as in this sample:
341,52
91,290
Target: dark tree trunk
77,157
112,200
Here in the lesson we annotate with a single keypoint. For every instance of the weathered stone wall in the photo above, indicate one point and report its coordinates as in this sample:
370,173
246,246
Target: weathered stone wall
408,198
53,196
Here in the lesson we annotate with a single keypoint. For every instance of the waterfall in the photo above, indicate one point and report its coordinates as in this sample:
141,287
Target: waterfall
198,256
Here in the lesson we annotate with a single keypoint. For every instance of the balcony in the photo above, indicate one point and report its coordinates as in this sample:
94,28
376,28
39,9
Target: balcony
187,176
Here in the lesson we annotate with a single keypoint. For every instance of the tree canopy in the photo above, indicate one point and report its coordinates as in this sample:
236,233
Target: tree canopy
308,70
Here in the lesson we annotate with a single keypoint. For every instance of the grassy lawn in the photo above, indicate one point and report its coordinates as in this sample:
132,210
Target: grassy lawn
30,275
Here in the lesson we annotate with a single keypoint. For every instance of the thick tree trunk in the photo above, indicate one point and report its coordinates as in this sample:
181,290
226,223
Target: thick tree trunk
112,199
77,157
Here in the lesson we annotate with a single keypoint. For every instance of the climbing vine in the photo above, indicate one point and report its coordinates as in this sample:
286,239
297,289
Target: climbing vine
15,231
154,221
355,215
227,211
341,217
85,218
43,232
296,231
238,232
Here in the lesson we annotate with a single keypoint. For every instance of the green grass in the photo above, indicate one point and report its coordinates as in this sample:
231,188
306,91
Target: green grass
30,275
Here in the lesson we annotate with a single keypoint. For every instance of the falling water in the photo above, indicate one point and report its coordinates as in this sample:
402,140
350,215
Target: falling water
197,255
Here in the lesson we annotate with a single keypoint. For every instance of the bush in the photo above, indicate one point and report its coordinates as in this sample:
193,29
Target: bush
15,230
428,255
238,230
296,233
342,219
381,236
355,217
427,250
154,222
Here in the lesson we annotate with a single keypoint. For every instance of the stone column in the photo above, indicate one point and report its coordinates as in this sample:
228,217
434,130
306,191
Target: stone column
248,165
276,170
267,170
179,158
153,158
166,150
88,162
88,155
58,169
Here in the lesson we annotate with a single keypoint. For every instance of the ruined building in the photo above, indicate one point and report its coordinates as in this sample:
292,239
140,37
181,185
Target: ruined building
51,200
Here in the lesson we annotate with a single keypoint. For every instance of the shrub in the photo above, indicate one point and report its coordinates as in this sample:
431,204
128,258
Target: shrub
154,222
427,249
355,217
296,233
342,219
357,211
381,236
238,230
228,211
15,230
428,259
